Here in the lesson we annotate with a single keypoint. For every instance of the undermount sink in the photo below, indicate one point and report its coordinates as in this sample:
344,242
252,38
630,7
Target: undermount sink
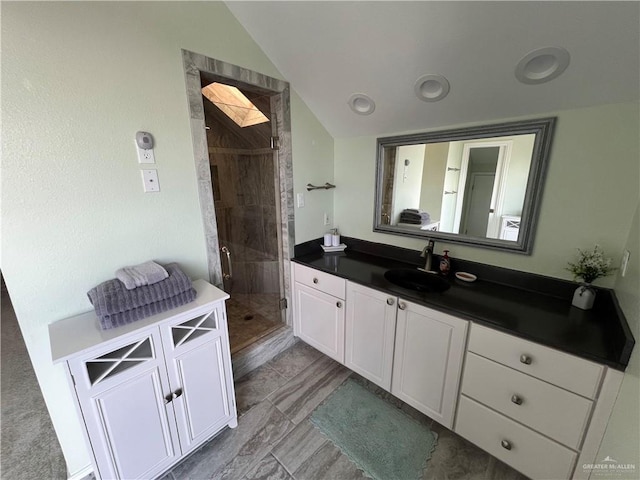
418,280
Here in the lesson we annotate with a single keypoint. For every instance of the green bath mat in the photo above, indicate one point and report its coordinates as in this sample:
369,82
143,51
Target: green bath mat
380,439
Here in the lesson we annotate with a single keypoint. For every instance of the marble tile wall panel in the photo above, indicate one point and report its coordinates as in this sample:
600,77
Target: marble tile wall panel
239,281
268,179
247,180
262,277
270,232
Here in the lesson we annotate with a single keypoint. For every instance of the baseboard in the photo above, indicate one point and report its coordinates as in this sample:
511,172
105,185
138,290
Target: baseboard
85,473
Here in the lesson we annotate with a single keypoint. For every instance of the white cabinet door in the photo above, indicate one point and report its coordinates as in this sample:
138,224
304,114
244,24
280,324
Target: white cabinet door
122,394
319,321
370,333
428,359
196,354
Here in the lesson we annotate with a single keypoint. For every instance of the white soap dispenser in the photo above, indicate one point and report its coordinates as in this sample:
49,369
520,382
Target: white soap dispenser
335,238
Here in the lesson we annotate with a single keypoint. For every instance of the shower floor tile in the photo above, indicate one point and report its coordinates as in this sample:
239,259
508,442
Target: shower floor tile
251,317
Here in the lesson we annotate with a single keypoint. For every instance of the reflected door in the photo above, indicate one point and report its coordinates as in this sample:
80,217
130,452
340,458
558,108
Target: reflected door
477,205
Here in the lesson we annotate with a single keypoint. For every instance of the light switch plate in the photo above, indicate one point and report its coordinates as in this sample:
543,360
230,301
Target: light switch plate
300,200
150,180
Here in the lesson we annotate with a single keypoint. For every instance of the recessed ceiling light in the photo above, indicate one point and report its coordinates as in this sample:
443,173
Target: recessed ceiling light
431,88
361,104
542,65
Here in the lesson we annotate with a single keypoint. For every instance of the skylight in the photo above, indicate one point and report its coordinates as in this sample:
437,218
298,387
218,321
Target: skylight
234,104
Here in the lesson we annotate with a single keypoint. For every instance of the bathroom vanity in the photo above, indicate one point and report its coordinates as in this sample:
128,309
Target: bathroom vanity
150,392
505,361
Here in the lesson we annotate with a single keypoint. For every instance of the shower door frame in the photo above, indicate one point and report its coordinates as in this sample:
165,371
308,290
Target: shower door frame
193,64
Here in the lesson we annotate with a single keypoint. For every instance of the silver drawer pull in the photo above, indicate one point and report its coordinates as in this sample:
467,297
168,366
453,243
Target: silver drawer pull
402,305
526,359
506,444
315,280
390,301
516,399
339,304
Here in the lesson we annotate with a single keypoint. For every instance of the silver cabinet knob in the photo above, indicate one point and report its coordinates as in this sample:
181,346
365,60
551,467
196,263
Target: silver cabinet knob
516,399
402,305
526,359
315,280
390,301
506,444
339,304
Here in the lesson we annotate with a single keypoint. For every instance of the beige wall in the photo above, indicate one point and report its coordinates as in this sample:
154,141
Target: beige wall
593,172
78,80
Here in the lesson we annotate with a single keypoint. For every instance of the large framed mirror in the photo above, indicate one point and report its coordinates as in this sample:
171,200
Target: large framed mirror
478,186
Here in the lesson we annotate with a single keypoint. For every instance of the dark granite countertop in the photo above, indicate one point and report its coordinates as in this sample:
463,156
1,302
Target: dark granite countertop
530,306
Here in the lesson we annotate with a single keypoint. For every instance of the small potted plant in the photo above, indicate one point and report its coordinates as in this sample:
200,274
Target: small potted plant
591,264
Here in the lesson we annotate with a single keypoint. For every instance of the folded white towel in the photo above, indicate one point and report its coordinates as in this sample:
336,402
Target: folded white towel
146,273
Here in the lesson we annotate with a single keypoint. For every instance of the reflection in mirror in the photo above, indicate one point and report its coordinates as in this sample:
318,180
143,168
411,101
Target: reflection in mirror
479,186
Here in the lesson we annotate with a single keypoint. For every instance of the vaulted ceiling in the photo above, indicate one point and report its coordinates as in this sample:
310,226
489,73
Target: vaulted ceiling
331,50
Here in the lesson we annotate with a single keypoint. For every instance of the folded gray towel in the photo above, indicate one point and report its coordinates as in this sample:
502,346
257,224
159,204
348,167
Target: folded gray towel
112,296
129,316
146,273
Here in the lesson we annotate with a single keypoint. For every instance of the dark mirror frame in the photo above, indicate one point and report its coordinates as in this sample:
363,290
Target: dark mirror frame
542,128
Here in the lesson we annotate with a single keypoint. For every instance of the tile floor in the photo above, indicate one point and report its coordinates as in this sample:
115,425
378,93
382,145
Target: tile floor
275,440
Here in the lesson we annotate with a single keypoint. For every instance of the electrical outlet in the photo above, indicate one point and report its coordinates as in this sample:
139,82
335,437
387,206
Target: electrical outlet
326,219
624,263
150,180
146,155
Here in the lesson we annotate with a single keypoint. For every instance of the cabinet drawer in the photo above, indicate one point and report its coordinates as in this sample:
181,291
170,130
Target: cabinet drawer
527,451
550,410
325,282
567,371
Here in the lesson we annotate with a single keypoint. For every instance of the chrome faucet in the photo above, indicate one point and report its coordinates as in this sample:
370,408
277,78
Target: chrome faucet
427,253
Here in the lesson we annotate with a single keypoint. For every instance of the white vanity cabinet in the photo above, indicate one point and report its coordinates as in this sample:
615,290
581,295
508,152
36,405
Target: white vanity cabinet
527,404
429,350
319,310
370,333
151,391
410,350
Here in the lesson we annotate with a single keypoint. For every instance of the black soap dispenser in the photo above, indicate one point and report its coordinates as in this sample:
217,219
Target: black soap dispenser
445,263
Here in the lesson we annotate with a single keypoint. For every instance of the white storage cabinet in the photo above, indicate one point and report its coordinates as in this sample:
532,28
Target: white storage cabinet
370,333
150,392
319,310
429,350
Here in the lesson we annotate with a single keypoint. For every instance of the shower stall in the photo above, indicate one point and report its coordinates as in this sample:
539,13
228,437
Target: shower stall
244,178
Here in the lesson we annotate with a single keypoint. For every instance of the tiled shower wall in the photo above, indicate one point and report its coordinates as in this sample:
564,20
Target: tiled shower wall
245,204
